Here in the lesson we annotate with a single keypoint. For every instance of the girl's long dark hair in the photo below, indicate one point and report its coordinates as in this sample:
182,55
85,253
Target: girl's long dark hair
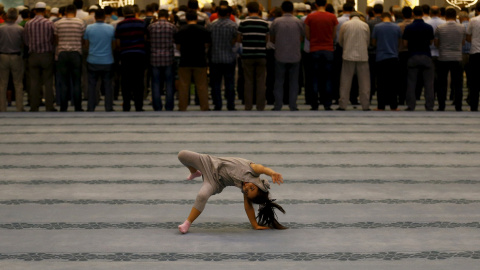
266,212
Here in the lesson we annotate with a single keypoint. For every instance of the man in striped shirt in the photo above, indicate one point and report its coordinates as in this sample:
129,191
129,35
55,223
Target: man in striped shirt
68,37
39,38
254,35
449,38
131,34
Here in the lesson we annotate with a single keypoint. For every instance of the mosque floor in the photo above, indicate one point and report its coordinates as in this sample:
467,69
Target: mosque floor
363,190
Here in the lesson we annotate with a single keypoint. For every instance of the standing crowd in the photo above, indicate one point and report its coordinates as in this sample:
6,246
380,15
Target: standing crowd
62,56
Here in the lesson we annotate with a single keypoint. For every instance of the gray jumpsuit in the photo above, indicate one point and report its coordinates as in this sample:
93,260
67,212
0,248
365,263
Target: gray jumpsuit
220,172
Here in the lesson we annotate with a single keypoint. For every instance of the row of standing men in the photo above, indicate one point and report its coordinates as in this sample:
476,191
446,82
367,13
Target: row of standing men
142,43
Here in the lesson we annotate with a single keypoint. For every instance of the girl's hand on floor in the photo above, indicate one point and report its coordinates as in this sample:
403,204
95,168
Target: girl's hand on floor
261,228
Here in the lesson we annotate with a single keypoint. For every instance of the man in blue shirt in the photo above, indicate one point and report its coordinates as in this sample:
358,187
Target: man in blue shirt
99,38
386,37
417,37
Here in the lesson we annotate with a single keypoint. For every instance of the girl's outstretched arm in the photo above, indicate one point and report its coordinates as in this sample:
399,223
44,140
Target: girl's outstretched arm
276,177
251,214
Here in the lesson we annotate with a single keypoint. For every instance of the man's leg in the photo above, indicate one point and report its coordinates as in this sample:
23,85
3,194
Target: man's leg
185,78
126,91
363,75
475,70
4,74
47,78
76,60
248,73
92,86
328,71
441,88
348,69
261,73
294,85
201,83
169,88
457,83
229,77
315,75
412,74
17,74
403,77
382,83
107,72
157,84
216,78
392,92
63,72
280,69
34,63
428,80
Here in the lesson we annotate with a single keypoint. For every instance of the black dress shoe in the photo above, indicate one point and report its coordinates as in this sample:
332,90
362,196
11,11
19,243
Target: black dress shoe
340,109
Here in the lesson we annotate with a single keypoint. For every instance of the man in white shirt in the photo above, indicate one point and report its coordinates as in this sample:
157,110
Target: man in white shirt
80,13
354,38
435,21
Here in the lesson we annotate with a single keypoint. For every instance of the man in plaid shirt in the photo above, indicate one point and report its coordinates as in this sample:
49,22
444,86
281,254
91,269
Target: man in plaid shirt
224,34
161,58
40,39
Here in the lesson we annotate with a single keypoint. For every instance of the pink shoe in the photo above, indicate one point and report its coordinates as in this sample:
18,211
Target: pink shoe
184,227
194,175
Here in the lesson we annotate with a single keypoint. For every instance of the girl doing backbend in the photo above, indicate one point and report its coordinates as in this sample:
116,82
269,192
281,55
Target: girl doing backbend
219,173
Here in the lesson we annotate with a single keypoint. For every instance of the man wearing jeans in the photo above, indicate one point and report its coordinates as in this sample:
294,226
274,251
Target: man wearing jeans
99,38
68,37
286,33
161,35
222,65
418,36
386,37
320,29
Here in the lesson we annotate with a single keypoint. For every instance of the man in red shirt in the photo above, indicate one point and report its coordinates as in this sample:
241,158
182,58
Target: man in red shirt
320,29
214,16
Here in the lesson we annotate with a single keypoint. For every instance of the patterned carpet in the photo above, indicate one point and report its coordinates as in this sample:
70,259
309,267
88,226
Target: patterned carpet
363,190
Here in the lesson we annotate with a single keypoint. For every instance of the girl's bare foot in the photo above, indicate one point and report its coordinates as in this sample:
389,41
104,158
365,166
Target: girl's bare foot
194,175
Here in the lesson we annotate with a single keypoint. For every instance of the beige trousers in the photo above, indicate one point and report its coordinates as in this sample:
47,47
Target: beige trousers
14,64
349,68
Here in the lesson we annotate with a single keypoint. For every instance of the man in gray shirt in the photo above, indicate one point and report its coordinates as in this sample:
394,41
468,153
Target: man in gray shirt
286,33
11,44
449,38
